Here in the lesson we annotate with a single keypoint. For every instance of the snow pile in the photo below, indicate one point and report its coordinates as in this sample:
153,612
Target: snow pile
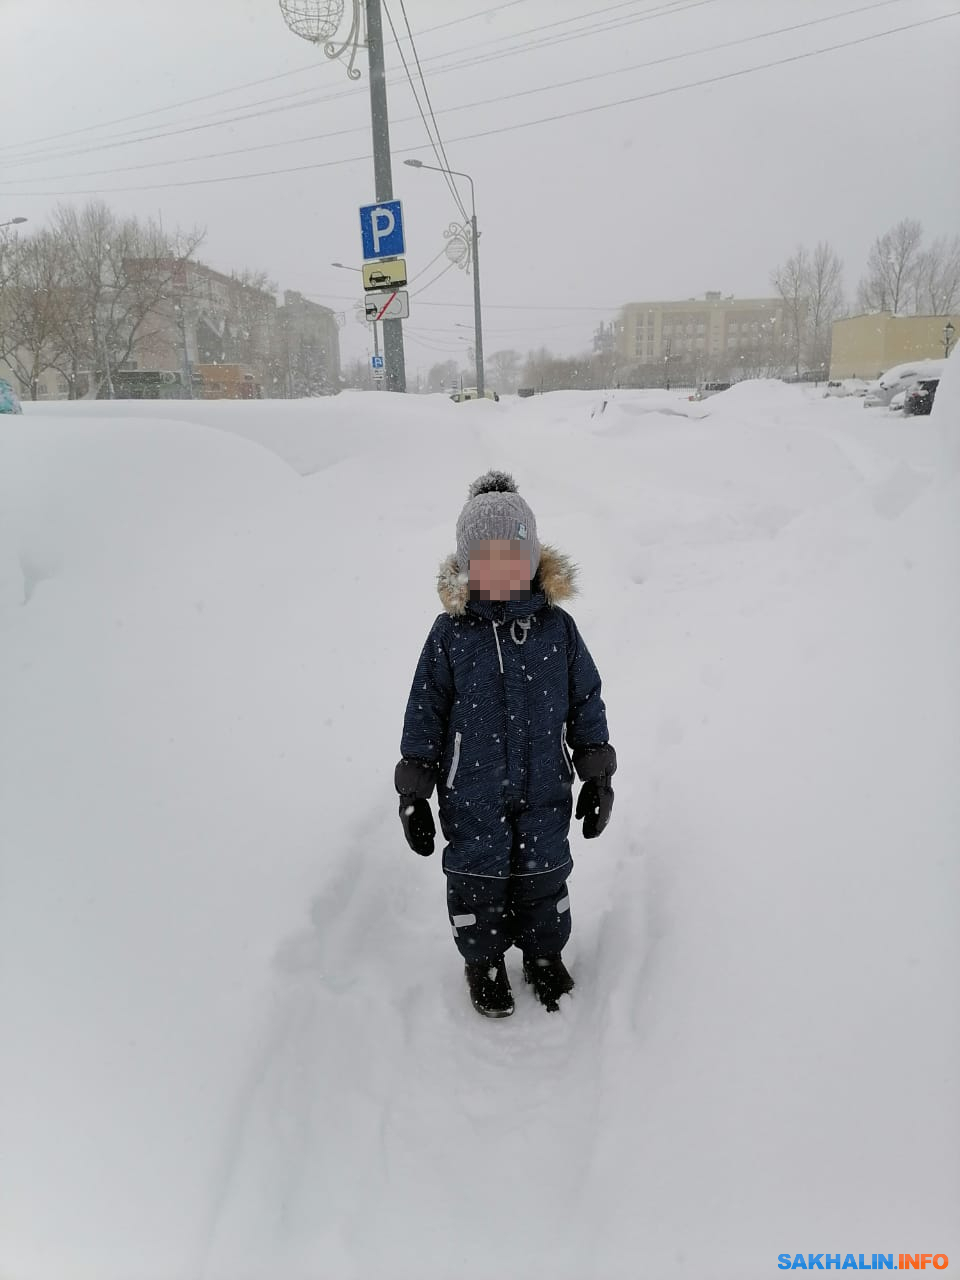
237,1042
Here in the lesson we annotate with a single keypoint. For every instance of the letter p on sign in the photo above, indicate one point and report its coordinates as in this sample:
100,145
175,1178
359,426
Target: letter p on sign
383,225
381,228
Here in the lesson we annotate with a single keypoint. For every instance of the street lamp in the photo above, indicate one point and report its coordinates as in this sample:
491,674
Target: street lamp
948,332
13,222
477,317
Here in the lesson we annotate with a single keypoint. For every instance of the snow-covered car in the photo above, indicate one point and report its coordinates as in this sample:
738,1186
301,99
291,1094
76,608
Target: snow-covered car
846,387
9,400
710,389
470,393
902,377
876,397
896,404
918,401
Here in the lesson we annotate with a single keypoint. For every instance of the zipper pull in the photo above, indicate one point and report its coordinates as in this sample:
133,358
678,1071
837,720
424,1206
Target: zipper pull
496,636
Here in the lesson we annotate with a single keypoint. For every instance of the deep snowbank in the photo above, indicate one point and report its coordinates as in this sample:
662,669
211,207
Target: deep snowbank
236,1039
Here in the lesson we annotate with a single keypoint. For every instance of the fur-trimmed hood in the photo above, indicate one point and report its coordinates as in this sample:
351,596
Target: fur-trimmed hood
556,580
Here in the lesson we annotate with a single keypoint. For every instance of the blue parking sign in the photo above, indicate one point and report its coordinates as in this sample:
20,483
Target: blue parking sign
376,362
381,228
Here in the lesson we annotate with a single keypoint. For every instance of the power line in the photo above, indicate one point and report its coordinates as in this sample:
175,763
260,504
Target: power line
660,10
437,144
431,344
137,136
429,283
527,328
512,128
426,267
508,4
521,93
247,84
426,94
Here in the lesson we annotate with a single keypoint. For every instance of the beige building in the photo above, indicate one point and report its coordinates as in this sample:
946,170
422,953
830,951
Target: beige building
866,346
307,346
715,334
209,318
213,319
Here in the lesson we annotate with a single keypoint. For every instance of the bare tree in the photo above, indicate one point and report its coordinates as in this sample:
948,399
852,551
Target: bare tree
792,283
123,271
443,376
824,304
545,371
503,370
938,278
534,369
33,300
88,234
299,365
9,265
889,284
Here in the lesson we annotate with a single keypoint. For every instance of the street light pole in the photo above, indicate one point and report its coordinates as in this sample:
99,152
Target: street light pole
13,222
475,239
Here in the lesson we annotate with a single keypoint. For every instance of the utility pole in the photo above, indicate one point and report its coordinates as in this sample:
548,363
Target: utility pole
318,21
396,377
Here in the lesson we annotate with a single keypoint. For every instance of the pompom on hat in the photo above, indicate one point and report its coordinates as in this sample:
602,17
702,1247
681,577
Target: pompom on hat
495,510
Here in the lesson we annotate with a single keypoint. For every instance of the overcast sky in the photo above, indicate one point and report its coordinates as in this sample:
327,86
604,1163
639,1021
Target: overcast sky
690,189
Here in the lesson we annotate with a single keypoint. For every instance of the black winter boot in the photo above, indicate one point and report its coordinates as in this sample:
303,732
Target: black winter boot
549,978
490,989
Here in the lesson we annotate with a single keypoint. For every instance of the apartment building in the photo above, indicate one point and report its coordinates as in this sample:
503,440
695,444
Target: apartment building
715,333
205,319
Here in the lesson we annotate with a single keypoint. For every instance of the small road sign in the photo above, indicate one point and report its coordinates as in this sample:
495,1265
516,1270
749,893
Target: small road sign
376,362
387,306
381,228
391,274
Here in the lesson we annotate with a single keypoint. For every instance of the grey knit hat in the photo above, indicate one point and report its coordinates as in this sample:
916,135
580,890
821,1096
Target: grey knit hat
495,510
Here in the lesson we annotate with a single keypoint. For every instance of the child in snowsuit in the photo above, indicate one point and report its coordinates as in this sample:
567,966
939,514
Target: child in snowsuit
504,692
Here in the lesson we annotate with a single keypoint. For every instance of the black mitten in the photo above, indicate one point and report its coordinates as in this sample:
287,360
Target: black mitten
418,824
596,765
594,806
415,780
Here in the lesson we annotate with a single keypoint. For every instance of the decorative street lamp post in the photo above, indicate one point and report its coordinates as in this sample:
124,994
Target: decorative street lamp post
475,253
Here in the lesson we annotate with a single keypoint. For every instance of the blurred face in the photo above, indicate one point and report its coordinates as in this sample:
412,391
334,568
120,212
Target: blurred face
500,571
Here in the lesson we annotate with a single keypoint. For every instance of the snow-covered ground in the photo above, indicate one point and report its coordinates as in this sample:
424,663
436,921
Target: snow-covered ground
236,1041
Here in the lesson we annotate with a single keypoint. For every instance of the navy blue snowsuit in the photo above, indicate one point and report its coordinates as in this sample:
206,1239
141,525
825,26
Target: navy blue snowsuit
502,693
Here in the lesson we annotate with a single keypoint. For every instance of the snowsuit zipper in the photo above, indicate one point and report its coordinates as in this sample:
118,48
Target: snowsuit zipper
496,637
